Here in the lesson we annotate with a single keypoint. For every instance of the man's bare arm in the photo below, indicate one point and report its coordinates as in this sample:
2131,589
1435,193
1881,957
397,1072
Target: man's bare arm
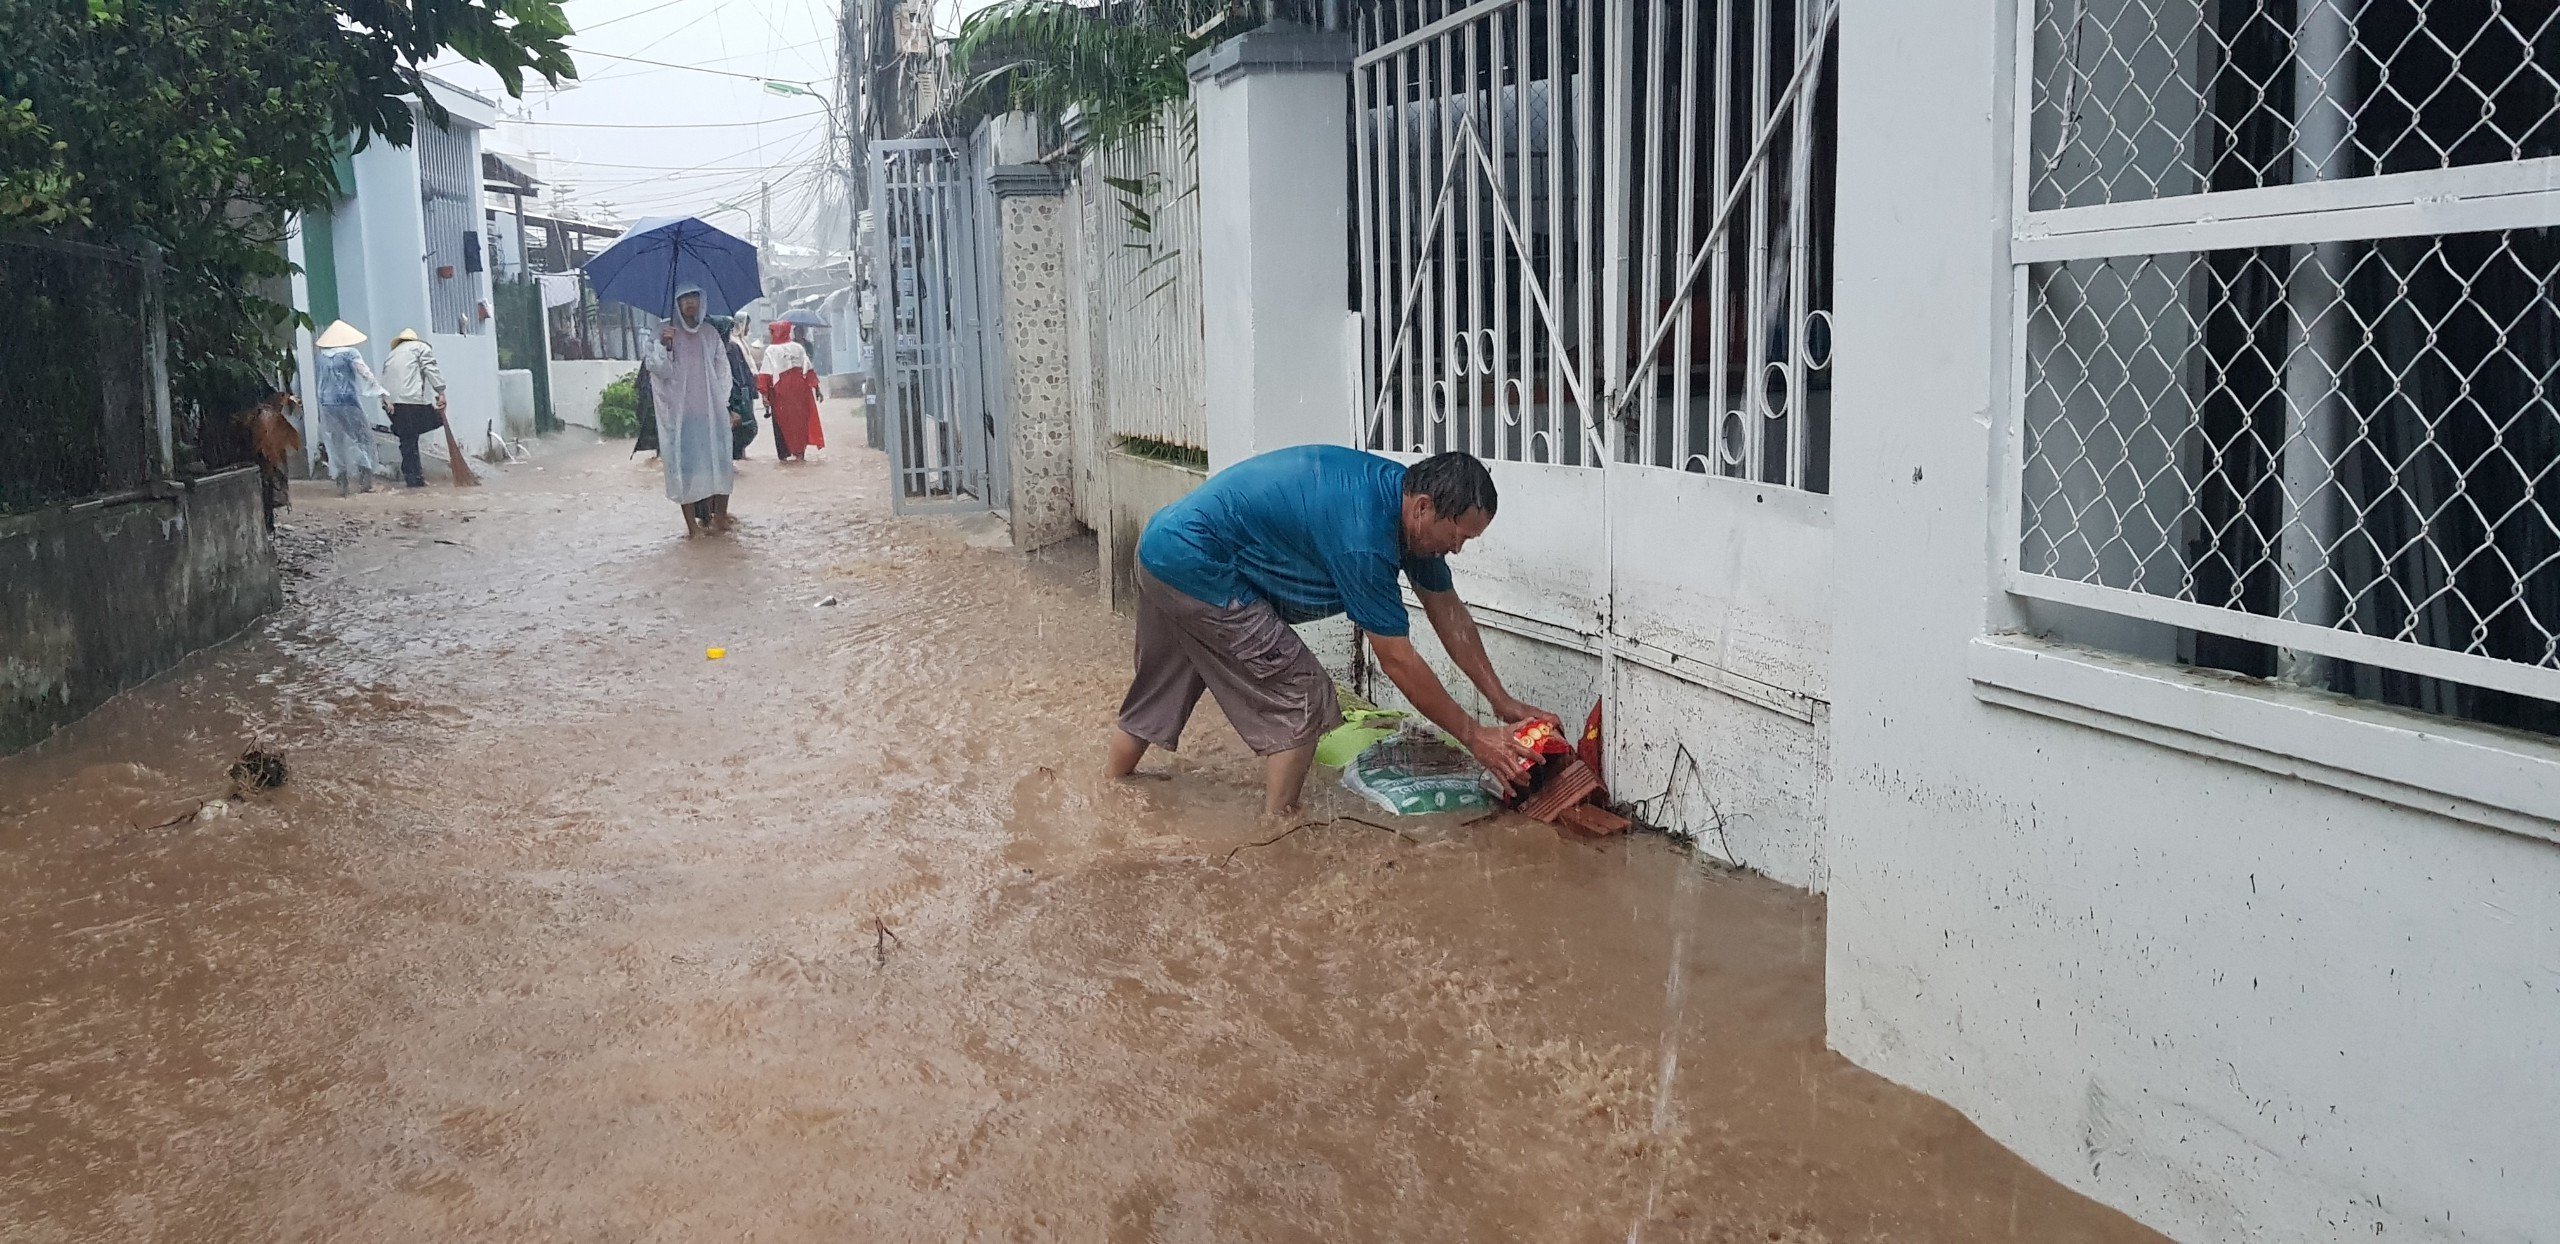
1456,627
1492,746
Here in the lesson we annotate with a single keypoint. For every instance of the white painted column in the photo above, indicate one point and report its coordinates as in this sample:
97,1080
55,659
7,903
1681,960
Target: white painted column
1275,242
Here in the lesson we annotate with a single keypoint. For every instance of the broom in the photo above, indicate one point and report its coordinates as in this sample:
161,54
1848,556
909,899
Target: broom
462,476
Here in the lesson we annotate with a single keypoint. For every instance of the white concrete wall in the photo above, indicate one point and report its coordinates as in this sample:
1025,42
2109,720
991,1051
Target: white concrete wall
473,402
577,383
1274,257
2238,1004
380,236
515,401
303,355
1135,488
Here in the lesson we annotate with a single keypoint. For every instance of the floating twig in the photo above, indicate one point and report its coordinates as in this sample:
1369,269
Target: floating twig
1330,820
883,935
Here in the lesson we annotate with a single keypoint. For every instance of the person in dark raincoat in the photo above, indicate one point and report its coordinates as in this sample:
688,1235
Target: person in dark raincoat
742,391
645,412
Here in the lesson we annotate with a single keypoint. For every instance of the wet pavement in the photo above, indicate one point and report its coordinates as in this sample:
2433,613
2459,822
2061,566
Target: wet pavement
561,931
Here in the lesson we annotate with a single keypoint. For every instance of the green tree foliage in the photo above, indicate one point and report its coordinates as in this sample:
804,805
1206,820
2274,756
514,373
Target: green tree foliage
1117,63
197,126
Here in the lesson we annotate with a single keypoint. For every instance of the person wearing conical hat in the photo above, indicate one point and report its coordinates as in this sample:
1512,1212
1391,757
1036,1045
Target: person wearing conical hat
417,399
345,384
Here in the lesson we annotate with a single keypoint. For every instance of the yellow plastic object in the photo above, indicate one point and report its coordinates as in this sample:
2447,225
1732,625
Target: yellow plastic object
714,654
1360,727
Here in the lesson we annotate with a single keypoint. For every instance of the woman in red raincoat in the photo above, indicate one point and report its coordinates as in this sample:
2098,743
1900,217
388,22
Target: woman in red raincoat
790,386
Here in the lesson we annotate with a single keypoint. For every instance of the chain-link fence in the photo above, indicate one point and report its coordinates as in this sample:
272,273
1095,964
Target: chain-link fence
82,391
2148,99
2290,361
2354,435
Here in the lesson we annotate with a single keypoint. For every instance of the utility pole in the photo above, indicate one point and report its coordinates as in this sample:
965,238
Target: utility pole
764,218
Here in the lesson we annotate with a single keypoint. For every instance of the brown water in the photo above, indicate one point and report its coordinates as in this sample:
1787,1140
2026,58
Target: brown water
561,931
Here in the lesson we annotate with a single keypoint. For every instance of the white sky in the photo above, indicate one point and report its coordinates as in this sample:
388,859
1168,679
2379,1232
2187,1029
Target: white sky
738,136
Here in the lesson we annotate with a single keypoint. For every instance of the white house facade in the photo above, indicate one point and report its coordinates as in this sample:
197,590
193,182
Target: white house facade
407,248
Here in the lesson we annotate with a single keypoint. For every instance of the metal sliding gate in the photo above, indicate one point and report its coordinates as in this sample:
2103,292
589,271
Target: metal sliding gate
938,425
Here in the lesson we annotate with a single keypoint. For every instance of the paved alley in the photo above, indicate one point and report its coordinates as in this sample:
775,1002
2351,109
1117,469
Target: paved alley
561,931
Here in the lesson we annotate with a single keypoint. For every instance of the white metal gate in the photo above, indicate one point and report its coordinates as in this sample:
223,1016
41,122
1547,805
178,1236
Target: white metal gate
1598,229
938,426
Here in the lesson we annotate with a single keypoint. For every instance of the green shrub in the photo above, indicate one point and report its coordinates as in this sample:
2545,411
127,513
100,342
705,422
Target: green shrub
618,408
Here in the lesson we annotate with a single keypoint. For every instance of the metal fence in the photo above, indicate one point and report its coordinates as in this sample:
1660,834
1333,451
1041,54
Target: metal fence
450,215
83,383
933,406
2288,356
592,328
1589,223
1142,201
2136,99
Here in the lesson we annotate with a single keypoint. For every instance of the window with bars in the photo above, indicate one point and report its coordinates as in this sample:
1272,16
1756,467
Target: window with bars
2288,348
1589,222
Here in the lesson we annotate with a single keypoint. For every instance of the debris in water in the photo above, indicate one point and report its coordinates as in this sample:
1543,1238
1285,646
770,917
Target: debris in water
828,603
254,771
880,943
1330,820
714,654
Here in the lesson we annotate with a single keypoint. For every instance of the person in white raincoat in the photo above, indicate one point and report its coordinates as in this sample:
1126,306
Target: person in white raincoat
689,377
346,432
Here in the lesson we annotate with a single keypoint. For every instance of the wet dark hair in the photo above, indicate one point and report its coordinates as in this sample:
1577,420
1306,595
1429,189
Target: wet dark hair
1456,483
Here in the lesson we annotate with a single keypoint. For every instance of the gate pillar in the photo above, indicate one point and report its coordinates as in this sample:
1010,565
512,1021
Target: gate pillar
1275,243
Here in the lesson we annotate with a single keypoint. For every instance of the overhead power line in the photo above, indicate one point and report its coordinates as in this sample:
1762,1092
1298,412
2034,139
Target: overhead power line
669,4
724,73
672,125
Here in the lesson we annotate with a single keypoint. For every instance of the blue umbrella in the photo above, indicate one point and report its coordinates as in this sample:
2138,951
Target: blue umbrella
652,259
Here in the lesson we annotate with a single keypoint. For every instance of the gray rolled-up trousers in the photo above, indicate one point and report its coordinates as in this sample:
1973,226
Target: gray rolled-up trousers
1269,684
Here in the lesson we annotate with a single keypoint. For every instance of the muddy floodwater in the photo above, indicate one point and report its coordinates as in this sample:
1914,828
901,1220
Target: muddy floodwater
561,931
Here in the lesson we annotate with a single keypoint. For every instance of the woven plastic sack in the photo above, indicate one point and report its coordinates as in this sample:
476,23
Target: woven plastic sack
1418,775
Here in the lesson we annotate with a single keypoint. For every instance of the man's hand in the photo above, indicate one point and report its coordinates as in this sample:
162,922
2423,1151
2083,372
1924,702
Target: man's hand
666,334
439,401
1492,746
1500,754
1517,712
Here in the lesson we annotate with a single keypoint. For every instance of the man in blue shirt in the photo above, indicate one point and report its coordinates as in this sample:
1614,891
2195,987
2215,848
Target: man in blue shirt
1292,536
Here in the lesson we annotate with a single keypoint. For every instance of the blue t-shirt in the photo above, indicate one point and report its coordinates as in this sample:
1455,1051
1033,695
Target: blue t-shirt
1315,529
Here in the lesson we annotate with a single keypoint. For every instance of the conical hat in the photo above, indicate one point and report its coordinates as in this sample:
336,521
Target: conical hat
340,333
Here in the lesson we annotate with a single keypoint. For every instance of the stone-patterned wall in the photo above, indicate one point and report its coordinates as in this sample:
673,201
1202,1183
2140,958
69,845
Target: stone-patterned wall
1034,228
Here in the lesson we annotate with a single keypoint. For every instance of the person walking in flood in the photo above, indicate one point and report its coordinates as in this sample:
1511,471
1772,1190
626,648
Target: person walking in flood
742,390
689,380
790,383
416,388
1289,537
346,385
